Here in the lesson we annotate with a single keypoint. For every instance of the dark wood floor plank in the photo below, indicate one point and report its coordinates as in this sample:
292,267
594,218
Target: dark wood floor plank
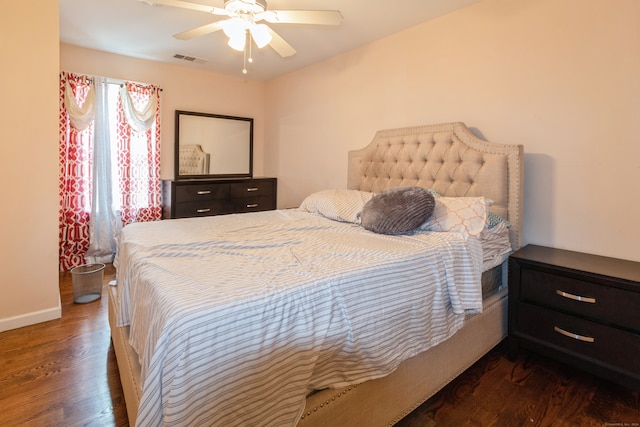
64,373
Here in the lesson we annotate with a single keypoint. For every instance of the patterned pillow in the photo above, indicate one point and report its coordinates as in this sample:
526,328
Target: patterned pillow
492,218
495,219
337,204
459,214
398,210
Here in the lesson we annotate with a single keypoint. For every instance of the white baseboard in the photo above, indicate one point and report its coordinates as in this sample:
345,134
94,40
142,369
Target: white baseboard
31,318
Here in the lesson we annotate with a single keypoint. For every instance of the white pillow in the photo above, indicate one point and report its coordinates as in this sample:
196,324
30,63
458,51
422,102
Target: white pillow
337,204
459,214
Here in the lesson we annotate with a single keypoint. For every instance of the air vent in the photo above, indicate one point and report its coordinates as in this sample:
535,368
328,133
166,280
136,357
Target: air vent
189,58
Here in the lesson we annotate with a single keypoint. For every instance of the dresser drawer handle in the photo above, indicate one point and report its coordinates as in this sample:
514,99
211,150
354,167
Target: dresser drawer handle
203,192
574,336
203,210
252,189
576,297
252,205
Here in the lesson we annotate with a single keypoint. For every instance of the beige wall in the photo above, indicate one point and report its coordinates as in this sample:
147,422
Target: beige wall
29,163
559,76
182,89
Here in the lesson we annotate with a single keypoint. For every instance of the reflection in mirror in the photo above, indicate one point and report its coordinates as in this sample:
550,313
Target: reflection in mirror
213,145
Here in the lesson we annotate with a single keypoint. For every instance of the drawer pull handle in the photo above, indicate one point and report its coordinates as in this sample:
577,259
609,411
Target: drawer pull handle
574,336
252,189
203,192
252,205
576,297
203,210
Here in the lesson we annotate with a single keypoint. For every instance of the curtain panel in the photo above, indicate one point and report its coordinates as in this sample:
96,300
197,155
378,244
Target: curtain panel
104,223
75,163
139,153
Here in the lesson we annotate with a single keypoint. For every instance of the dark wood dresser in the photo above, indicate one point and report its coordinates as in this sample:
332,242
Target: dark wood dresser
205,197
581,309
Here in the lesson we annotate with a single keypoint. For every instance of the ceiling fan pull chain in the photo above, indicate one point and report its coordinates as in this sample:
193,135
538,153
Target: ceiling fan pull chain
244,70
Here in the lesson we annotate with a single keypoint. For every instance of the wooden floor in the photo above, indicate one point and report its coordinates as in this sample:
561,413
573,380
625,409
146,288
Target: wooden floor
64,373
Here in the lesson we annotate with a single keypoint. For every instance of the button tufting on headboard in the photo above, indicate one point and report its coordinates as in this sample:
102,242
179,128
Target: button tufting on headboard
193,160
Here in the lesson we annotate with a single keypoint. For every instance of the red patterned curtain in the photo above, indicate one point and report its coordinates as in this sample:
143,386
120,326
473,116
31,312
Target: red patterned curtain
76,164
139,157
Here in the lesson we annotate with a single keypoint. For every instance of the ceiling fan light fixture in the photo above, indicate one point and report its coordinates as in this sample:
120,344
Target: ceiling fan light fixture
234,27
260,34
238,42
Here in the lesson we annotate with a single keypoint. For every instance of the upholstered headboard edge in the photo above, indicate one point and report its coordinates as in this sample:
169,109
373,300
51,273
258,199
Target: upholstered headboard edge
449,158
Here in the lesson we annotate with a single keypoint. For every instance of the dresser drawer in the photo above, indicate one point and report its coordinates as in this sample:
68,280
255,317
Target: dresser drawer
253,204
251,189
582,338
202,208
198,192
593,300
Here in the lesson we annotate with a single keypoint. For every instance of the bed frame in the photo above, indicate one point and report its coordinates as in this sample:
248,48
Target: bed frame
453,161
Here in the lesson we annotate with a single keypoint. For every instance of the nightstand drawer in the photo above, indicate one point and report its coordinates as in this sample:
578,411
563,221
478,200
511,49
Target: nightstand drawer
603,303
198,192
584,339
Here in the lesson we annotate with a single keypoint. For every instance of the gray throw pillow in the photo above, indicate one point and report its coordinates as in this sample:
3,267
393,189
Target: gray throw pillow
398,210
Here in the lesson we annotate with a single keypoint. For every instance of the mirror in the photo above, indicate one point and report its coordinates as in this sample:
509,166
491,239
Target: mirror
213,146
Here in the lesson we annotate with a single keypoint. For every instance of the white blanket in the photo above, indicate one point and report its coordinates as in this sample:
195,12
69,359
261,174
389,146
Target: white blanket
236,318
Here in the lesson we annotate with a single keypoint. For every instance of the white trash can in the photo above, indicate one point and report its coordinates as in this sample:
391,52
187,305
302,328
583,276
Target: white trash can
87,282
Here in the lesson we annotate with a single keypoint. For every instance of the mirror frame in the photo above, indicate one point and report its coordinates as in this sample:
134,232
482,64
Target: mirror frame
213,117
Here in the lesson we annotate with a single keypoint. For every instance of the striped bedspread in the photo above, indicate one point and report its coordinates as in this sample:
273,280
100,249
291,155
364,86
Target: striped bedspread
236,318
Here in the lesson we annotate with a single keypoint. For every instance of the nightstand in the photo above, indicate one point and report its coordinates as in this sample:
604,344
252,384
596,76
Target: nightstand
577,308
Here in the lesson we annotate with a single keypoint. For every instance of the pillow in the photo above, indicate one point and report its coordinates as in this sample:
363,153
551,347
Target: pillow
397,210
459,214
492,218
495,244
337,204
495,219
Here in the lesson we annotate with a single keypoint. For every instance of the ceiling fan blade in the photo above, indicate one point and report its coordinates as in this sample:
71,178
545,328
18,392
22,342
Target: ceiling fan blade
199,31
280,45
188,5
317,17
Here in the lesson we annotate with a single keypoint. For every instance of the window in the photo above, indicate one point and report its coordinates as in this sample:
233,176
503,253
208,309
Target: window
109,164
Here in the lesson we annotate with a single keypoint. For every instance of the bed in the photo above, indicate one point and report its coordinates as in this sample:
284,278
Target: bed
385,381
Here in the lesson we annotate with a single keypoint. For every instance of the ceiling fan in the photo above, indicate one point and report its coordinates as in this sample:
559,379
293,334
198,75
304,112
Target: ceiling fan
243,23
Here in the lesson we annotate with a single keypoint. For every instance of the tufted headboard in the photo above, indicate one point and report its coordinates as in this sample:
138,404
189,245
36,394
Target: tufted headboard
193,160
447,158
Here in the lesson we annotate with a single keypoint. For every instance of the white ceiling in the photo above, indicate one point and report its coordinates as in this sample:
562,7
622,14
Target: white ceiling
137,29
